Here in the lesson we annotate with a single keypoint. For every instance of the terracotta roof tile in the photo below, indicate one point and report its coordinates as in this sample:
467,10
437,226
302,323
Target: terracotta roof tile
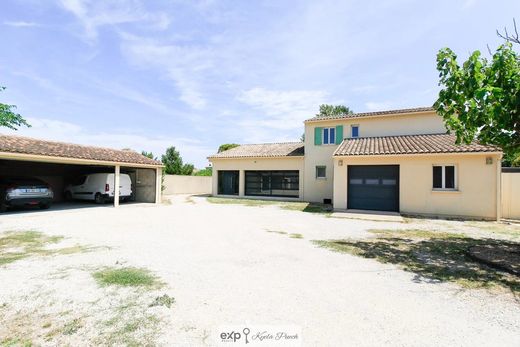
287,149
374,114
26,145
408,144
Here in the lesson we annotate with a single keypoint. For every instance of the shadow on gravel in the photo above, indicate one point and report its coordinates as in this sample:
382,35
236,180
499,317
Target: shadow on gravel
442,259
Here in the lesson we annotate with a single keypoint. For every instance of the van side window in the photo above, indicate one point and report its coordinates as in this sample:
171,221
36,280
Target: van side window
79,180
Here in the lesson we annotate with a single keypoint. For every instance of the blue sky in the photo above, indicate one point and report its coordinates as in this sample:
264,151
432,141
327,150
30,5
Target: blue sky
195,74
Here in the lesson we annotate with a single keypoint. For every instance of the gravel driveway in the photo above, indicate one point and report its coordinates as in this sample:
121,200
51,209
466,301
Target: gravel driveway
223,267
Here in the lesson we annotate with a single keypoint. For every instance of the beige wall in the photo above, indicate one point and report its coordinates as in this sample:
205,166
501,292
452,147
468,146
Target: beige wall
407,124
285,163
477,184
511,195
179,184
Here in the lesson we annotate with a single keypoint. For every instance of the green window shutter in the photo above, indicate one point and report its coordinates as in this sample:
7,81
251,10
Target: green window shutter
317,136
339,134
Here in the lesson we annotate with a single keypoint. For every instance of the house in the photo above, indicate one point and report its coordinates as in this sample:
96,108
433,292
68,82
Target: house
398,160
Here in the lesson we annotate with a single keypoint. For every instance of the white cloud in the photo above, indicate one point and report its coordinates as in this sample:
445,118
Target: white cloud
192,151
20,24
281,109
95,14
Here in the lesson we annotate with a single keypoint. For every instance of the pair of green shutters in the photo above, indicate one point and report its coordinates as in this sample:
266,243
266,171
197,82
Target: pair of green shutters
318,134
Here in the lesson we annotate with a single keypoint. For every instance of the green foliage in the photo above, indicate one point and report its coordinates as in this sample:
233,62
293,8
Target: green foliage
227,146
481,99
10,119
173,164
333,110
128,276
204,172
149,155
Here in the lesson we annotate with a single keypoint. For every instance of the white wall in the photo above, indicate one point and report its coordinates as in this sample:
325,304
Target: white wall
182,184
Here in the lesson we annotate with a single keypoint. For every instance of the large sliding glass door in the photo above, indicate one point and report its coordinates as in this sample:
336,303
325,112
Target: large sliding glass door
273,183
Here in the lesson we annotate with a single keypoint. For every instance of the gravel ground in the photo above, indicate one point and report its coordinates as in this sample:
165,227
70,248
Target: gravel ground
223,267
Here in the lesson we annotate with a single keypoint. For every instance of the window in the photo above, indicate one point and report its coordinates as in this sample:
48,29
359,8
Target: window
354,131
273,183
444,177
321,172
329,136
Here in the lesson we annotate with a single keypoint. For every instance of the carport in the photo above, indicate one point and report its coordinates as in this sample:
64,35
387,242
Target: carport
57,163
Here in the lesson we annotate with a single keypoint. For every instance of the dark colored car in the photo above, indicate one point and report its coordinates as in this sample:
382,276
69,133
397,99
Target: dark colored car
24,191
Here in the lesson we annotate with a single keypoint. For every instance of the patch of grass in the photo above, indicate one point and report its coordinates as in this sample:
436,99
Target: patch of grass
18,245
414,233
127,277
15,342
286,205
496,228
432,256
72,327
277,232
296,236
163,300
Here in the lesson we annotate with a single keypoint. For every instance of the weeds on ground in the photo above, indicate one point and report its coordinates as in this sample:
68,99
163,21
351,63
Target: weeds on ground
286,205
296,236
432,256
15,342
17,245
126,277
510,230
163,300
277,232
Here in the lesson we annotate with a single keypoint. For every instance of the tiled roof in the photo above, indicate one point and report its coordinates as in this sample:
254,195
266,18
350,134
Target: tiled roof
27,145
374,114
287,149
408,144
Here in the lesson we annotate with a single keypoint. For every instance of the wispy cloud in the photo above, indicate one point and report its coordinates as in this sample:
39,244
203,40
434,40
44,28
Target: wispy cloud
94,15
21,24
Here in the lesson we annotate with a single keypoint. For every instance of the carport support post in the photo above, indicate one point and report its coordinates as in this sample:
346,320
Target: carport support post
116,186
158,185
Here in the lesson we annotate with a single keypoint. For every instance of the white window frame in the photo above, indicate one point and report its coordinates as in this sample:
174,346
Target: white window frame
351,132
323,136
321,177
443,175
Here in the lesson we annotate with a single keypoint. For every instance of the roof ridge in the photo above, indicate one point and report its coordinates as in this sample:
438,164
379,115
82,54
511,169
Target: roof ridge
374,113
271,143
68,143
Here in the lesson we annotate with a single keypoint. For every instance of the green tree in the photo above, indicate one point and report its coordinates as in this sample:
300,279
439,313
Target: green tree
9,118
149,155
481,99
333,110
208,171
227,146
173,164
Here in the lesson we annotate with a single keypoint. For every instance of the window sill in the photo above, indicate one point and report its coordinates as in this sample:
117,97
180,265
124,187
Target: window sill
453,191
321,178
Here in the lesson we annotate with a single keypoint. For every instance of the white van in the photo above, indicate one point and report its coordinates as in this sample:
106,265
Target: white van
98,187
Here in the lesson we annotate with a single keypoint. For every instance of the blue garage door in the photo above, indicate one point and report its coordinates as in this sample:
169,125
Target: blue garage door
373,187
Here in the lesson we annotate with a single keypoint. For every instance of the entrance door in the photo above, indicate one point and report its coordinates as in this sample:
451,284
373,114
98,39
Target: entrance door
373,187
228,182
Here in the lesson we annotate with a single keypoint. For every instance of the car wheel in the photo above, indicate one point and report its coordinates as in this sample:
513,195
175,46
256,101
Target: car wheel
68,196
44,206
100,199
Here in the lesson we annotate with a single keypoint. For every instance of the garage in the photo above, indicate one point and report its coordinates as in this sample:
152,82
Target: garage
373,187
60,165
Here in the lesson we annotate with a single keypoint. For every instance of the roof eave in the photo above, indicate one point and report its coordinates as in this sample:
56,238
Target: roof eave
416,154
311,120
260,157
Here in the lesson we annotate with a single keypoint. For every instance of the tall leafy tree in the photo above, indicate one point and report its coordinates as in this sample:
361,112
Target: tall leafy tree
480,99
9,118
149,155
327,110
173,164
226,146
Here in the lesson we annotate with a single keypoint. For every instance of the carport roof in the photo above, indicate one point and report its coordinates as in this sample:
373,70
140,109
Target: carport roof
44,148
408,144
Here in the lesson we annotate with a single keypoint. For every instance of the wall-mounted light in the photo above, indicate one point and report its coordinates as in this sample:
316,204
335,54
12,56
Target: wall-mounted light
489,160
340,162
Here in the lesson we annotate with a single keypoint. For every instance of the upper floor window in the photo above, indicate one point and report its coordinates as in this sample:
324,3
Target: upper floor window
329,136
354,131
444,177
